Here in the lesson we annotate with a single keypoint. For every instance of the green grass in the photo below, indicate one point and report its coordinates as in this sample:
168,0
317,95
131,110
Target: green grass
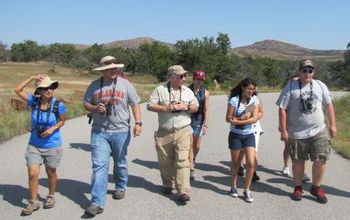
341,142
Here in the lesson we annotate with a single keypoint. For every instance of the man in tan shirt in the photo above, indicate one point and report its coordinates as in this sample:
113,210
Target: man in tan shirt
174,102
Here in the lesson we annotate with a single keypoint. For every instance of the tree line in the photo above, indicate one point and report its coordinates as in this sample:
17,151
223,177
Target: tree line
209,54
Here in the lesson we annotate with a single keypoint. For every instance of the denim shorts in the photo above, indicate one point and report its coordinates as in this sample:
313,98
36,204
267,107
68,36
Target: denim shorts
240,141
197,130
317,147
50,157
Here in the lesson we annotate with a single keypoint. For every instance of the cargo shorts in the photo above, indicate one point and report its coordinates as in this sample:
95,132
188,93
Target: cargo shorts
314,148
50,157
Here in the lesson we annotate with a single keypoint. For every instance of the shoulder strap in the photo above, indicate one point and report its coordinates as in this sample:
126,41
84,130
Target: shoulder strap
55,110
35,102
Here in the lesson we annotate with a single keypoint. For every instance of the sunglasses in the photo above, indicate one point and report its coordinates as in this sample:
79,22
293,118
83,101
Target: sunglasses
307,71
182,76
48,88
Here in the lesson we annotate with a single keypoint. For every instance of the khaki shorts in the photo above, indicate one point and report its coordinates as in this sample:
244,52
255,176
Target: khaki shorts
50,157
317,147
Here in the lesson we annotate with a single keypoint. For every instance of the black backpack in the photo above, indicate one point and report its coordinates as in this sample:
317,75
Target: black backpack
54,109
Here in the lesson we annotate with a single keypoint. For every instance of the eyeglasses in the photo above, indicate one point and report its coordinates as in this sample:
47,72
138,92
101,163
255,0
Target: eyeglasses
307,71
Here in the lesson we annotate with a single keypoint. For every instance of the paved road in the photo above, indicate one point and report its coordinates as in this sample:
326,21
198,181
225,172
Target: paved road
209,196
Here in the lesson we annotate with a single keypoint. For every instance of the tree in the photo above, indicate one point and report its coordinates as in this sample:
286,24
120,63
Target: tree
3,53
61,53
27,51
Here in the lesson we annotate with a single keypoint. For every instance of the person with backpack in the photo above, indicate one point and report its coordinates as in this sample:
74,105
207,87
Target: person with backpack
109,99
301,122
199,119
242,114
45,142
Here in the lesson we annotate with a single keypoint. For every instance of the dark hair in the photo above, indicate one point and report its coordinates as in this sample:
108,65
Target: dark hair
237,90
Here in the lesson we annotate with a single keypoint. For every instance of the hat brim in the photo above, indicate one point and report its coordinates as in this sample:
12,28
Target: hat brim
180,73
109,66
54,85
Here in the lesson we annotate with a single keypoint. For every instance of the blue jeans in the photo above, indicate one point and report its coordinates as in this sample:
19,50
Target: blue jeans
103,145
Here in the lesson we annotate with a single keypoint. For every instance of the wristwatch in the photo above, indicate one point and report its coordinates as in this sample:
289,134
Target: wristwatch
138,123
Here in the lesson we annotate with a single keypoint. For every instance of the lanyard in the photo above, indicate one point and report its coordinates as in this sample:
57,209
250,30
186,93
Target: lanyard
168,86
300,89
111,99
39,113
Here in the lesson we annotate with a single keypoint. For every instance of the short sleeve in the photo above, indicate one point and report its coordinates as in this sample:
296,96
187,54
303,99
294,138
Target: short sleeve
30,100
61,108
154,97
133,98
326,95
233,102
284,97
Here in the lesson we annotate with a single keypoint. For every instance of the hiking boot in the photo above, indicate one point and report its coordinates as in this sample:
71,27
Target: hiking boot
167,190
319,194
240,171
298,192
234,192
31,207
255,177
305,178
192,175
50,202
285,171
118,194
183,198
248,196
93,210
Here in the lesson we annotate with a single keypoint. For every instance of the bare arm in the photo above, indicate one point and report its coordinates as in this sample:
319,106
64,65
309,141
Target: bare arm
206,108
19,89
331,119
137,117
283,124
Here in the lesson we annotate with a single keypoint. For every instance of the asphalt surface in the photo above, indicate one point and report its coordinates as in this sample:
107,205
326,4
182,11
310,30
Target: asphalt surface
209,195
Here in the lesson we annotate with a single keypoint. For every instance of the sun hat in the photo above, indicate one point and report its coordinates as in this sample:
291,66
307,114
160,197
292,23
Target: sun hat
306,63
46,82
109,62
199,74
176,70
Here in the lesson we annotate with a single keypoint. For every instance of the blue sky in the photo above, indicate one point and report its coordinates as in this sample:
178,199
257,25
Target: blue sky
312,24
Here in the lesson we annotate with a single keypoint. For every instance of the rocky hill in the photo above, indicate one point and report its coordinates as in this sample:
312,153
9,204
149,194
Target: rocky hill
282,50
267,48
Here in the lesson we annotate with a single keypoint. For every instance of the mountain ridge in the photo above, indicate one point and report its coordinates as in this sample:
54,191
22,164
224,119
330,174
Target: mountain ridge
266,48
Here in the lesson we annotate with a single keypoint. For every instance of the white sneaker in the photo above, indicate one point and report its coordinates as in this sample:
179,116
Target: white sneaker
234,192
248,196
285,171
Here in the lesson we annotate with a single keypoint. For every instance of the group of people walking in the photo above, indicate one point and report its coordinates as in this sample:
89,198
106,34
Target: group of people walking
182,119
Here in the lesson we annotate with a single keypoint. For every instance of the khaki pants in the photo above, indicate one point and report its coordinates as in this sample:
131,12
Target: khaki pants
173,149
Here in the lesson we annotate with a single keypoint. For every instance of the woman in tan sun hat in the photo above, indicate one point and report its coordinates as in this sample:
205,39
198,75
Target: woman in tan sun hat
45,142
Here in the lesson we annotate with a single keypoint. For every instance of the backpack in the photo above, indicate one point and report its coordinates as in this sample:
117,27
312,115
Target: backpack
54,109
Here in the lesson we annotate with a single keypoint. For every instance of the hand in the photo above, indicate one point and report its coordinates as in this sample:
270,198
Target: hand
39,77
48,132
284,136
137,130
246,115
101,107
332,131
178,106
234,121
204,129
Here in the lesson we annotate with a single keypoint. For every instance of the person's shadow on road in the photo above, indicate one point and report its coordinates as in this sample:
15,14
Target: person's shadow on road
81,146
13,194
72,189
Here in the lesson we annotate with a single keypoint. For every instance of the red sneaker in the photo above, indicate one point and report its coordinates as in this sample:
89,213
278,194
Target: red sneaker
319,194
298,192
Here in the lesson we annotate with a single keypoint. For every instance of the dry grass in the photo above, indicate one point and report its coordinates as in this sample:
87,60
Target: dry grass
73,83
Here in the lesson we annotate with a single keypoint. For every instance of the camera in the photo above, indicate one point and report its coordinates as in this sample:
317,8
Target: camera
40,131
307,104
108,109
175,102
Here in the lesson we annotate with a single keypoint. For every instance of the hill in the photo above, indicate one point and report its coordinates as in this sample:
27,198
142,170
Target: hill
281,50
267,48
133,43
